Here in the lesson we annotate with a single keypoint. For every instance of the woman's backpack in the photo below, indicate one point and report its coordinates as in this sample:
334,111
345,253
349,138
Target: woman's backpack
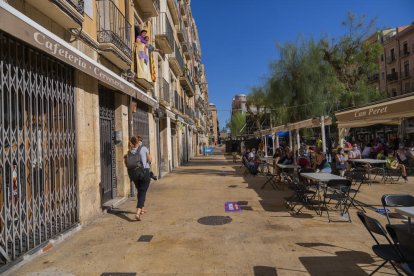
133,162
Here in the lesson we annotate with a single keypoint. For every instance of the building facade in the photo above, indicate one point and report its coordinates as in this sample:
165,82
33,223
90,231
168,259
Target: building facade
214,133
81,77
396,62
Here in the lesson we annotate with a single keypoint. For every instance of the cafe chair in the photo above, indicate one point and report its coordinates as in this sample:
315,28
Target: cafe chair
406,245
394,200
358,177
388,251
302,196
337,190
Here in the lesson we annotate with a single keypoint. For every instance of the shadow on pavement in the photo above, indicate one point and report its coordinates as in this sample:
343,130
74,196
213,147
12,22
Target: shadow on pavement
121,214
341,262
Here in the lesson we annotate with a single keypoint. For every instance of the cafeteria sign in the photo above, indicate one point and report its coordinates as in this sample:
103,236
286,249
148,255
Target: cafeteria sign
232,207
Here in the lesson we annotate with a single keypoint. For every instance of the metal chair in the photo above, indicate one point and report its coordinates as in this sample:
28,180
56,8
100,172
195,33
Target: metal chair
389,252
358,178
337,190
394,200
302,195
406,245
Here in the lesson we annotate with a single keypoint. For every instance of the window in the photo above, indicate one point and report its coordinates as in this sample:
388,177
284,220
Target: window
392,54
406,69
405,48
382,57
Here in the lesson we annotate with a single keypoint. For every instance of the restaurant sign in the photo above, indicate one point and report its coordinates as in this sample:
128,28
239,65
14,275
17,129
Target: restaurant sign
22,27
387,110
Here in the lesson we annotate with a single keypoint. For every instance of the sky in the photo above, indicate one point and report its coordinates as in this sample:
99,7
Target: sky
238,38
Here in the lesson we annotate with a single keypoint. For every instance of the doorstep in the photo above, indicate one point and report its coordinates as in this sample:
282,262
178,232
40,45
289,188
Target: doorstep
110,204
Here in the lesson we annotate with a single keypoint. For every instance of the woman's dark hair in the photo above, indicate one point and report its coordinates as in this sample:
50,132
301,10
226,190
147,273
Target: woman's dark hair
133,142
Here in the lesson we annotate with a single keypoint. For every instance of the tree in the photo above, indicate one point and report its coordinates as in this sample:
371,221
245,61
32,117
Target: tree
353,58
237,124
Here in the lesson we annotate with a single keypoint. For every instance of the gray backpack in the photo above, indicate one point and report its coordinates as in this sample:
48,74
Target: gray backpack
133,160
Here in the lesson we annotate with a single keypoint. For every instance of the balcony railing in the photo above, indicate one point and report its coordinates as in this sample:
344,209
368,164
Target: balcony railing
77,4
164,36
165,91
176,61
173,6
181,31
391,59
404,53
187,82
392,77
113,27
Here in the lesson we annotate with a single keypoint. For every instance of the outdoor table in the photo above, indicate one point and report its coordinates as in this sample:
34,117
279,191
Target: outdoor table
406,211
371,162
322,177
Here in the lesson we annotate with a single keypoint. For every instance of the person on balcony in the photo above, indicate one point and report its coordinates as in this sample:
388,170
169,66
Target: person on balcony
142,57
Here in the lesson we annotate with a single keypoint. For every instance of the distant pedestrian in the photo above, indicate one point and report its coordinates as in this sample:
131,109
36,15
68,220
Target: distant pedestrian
138,162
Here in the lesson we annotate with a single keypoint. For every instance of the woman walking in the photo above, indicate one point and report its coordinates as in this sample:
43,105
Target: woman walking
138,162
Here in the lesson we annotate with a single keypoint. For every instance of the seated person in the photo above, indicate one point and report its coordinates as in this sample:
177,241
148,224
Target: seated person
353,154
402,156
392,163
381,155
340,161
303,161
366,153
289,158
276,158
320,163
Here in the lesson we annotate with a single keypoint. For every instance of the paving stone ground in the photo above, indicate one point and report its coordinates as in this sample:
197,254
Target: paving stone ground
265,240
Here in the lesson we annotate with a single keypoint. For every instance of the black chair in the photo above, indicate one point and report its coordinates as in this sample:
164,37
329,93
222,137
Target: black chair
302,195
391,200
406,245
389,252
358,177
337,190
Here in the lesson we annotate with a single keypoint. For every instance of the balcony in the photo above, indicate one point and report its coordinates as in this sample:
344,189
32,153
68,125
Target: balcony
181,31
186,46
164,92
114,34
392,77
406,74
164,36
178,103
67,13
404,53
187,83
391,59
173,7
149,8
176,61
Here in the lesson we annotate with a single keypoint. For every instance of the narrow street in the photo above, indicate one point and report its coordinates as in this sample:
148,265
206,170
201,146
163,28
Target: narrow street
262,239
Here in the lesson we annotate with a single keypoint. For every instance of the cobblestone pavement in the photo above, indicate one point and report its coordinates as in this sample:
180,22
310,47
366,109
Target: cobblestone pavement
262,239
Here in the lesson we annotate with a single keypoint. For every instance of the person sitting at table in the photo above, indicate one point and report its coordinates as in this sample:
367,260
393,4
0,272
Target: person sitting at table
276,159
381,155
366,153
402,156
353,154
252,154
392,162
340,161
320,162
289,159
303,161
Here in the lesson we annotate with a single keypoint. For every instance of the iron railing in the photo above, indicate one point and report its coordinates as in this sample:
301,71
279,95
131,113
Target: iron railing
404,53
165,90
38,180
392,77
113,27
391,59
164,28
177,55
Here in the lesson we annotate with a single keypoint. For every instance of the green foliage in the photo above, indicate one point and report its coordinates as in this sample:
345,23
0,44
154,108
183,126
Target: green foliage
237,124
314,78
